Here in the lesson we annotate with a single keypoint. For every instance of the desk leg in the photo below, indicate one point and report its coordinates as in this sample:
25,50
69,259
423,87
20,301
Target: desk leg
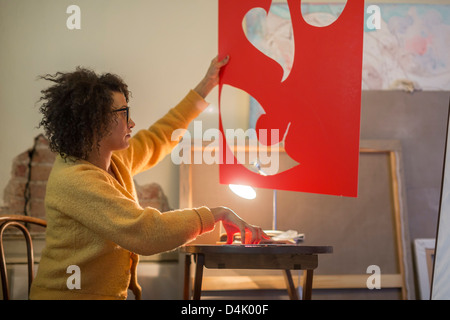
198,276
293,295
307,284
187,276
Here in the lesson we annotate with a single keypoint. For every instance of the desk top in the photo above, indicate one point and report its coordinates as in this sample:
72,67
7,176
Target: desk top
257,249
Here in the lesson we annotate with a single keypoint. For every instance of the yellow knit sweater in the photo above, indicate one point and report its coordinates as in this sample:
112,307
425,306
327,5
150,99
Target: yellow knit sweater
96,223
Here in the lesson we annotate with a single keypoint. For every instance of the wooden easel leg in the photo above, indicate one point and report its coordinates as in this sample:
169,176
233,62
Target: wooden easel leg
198,276
307,284
187,277
292,291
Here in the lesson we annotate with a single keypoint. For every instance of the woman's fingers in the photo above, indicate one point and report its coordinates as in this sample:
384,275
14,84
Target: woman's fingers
233,224
254,235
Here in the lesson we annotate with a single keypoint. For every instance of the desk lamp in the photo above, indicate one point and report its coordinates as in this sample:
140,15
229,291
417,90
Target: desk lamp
248,192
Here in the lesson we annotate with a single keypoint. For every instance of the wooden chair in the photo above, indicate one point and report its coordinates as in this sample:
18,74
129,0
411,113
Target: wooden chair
17,221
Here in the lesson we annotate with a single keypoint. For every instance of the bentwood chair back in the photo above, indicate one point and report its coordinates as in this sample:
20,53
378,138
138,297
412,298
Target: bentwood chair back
19,222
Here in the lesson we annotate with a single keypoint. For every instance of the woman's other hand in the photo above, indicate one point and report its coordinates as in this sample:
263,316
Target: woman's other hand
211,79
233,224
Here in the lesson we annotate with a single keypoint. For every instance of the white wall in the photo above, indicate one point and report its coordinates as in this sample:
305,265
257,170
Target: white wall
160,48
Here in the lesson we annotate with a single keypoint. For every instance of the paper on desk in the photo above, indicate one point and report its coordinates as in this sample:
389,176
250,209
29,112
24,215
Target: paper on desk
276,236
289,235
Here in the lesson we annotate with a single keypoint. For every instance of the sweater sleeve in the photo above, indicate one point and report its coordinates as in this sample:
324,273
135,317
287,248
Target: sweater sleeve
149,146
89,197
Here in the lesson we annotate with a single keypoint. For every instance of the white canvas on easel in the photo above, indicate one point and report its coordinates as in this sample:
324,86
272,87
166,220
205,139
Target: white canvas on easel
424,253
440,287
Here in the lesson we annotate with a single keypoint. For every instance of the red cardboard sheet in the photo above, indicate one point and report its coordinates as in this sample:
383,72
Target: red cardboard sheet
320,99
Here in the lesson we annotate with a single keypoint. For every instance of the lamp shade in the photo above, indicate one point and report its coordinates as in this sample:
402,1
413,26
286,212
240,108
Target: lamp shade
242,191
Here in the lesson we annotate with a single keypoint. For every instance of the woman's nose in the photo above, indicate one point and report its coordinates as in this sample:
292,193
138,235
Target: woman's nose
131,123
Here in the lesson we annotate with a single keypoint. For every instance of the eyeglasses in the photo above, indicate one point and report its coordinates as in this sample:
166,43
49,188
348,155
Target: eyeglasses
127,109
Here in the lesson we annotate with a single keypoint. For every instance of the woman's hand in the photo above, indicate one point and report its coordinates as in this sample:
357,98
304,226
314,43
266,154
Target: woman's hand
233,223
211,78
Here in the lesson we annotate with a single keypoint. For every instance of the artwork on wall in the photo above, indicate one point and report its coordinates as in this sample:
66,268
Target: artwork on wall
410,45
314,109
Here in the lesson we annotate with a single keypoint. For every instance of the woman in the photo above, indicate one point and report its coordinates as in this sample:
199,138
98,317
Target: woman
94,220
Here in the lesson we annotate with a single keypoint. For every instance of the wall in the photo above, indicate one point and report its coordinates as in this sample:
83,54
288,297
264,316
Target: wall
160,48
419,121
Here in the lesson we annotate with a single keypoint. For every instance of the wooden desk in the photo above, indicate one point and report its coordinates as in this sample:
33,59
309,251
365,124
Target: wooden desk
282,257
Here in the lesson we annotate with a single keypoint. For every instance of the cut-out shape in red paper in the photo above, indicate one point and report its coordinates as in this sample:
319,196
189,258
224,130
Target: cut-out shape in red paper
320,100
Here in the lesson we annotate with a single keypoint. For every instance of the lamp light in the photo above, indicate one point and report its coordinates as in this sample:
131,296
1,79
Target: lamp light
242,191
247,192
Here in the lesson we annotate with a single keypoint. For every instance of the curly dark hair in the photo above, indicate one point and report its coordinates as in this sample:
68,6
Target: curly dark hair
77,110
